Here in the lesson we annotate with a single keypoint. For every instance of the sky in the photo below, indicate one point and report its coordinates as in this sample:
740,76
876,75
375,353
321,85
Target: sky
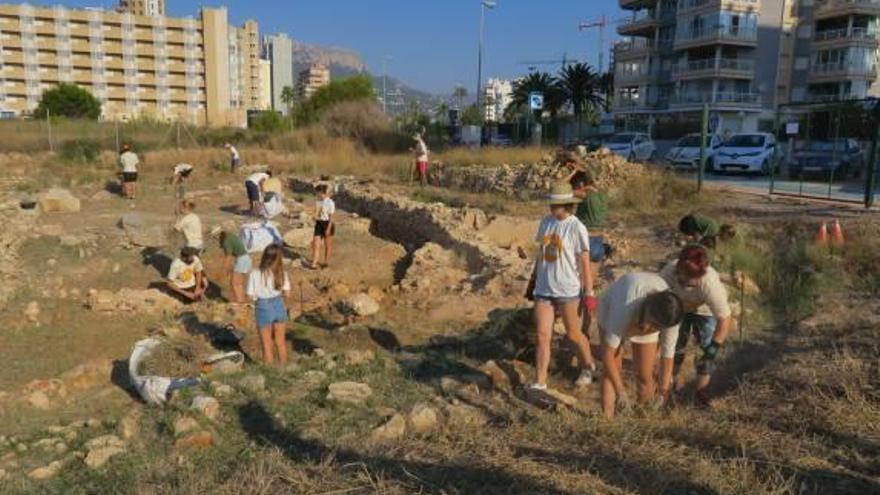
432,44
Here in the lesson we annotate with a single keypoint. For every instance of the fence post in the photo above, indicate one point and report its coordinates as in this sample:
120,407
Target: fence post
872,164
789,145
704,124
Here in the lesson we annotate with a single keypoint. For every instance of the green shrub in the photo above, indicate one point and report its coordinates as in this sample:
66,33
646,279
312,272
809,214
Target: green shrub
80,150
268,122
68,100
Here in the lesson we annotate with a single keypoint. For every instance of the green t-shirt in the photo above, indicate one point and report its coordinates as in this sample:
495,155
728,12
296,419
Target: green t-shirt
232,246
593,210
706,226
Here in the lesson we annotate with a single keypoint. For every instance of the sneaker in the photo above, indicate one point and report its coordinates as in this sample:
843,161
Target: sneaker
585,379
537,387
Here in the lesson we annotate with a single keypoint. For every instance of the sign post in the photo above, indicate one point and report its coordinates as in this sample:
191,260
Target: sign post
536,105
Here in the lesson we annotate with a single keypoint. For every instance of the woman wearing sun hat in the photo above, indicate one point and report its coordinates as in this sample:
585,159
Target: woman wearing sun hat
562,282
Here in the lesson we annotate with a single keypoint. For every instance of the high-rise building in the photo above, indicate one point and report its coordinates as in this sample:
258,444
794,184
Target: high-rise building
143,7
679,55
164,67
278,50
265,85
497,95
311,79
244,65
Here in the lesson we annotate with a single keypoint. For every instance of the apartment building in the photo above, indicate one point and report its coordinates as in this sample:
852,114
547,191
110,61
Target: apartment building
278,50
245,84
142,7
265,85
497,95
679,55
311,79
136,65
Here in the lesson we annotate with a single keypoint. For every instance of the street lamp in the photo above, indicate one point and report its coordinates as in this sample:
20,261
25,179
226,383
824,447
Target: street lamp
484,4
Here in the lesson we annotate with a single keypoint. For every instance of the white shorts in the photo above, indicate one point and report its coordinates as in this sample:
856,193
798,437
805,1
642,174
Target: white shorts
613,340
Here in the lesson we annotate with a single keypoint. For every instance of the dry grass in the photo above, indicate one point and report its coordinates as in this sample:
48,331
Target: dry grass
491,156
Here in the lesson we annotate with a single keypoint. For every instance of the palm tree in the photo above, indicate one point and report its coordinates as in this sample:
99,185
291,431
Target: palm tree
606,84
459,93
288,96
580,84
538,82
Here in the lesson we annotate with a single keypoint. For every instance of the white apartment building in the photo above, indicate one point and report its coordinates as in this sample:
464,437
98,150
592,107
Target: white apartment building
497,95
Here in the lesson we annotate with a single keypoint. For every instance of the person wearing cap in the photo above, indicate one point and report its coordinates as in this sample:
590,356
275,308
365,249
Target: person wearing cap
707,315
420,150
186,276
236,261
562,281
128,164
179,176
641,308
234,157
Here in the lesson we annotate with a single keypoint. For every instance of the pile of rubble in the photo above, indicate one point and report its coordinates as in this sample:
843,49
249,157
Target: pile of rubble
610,172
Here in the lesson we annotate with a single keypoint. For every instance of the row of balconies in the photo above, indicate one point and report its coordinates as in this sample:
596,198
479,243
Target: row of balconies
825,9
727,68
718,99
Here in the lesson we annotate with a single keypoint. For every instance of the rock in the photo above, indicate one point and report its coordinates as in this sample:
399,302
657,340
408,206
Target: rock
349,392
464,415
32,312
226,367
39,400
209,407
299,238
133,300
422,419
356,357
184,424
376,293
359,305
393,429
97,457
102,195
141,234
58,200
198,440
104,441
496,375
223,390
314,378
88,375
450,385
129,426
253,383
47,472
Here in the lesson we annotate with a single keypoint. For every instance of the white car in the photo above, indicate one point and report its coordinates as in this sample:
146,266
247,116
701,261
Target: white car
686,152
631,145
747,152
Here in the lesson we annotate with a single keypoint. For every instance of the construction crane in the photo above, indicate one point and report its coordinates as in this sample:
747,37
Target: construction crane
600,24
565,62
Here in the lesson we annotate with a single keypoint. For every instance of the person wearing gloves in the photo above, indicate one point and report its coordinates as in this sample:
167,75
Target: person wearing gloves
707,311
562,281
641,308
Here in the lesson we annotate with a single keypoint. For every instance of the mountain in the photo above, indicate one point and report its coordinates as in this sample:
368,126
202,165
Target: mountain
344,63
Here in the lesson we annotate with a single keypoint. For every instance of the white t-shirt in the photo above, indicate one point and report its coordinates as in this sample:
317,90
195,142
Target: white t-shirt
191,226
421,151
234,152
183,275
260,287
560,242
181,168
707,297
620,308
129,162
325,207
257,177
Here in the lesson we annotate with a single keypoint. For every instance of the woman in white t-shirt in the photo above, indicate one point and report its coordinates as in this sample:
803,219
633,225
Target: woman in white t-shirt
269,286
190,225
562,282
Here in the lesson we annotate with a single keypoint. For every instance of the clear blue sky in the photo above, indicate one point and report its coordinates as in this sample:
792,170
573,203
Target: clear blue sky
433,43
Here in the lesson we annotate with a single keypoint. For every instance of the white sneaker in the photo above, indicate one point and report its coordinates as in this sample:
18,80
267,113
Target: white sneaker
585,379
538,387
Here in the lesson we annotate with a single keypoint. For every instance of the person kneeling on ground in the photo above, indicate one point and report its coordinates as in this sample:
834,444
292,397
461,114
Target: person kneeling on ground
562,281
325,229
704,230
269,286
707,311
639,307
186,276
236,261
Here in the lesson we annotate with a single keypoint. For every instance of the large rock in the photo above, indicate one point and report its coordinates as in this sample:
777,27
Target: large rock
349,392
101,449
359,305
299,238
422,419
133,300
58,201
140,233
46,472
197,440
208,407
393,429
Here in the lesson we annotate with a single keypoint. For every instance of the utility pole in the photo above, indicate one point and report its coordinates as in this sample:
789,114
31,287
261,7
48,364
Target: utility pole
484,4
600,24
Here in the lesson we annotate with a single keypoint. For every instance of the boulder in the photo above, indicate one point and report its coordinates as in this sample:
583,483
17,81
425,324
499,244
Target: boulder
88,375
32,312
422,419
58,200
349,392
359,305
197,440
253,383
356,357
464,415
141,234
299,238
496,375
393,429
208,407
46,472
183,425
101,449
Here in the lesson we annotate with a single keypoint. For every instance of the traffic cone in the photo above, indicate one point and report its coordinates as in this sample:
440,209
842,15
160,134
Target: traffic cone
836,233
822,236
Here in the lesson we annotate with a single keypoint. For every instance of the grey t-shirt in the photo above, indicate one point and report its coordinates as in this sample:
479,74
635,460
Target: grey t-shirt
620,307
707,297
560,243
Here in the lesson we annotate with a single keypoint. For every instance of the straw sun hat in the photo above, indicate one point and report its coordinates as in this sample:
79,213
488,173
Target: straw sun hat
562,194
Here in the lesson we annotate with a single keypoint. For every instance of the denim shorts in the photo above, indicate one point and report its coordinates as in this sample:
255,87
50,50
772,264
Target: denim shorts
702,328
243,264
269,311
597,248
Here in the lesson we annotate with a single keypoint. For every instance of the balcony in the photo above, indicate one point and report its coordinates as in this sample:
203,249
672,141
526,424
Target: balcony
839,8
728,35
734,100
636,4
728,68
633,48
840,37
643,23
640,76
835,71
637,105
694,6
831,97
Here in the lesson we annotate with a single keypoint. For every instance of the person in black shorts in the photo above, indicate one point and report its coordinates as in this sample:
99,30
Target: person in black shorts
324,227
128,164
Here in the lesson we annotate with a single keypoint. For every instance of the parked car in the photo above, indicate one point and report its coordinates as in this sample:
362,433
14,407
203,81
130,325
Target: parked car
834,158
747,152
631,145
500,140
686,152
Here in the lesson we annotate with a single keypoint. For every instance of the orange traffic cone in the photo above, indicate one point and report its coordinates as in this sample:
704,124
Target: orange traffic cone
822,236
836,233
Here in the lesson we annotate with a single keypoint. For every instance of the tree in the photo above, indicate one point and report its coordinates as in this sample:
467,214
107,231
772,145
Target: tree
472,115
580,85
441,113
288,97
459,93
349,89
537,82
268,121
606,85
68,100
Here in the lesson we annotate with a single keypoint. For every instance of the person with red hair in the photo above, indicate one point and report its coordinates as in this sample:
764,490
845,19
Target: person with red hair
707,312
